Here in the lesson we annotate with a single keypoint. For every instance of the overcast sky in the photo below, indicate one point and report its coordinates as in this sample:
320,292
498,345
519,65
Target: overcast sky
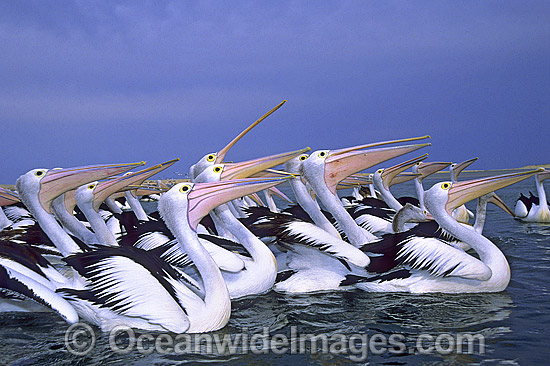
86,82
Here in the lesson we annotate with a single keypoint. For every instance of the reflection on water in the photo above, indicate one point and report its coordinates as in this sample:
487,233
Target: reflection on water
515,323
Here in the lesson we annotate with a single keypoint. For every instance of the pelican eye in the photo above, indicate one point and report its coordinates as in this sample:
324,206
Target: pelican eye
39,173
91,186
217,169
446,185
211,157
185,188
322,154
303,157
380,171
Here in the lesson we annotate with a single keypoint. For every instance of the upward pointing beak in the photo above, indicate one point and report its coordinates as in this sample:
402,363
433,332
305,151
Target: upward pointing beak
251,167
126,182
221,154
339,166
403,177
427,169
497,201
59,181
462,192
458,168
390,173
206,196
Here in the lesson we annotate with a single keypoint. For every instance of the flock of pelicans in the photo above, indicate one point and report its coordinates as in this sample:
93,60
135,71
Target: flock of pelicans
78,241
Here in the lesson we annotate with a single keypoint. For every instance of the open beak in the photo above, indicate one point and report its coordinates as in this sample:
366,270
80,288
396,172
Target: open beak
341,164
126,182
8,197
206,196
221,154
250,167
497,201
458,168
462,192
429,168
58,181
389,174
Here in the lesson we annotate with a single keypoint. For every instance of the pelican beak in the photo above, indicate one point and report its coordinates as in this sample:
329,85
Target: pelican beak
545,174
69,200
58,181
462,192
458,168
497,201
404,177
257,199
162,167
221,154
145,190
389,174
126,182
8,197
278,193
250,167
427,169
342,163
206,196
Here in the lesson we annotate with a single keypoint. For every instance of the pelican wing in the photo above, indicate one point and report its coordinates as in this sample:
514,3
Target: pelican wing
441,259
304,233
133,282
18,285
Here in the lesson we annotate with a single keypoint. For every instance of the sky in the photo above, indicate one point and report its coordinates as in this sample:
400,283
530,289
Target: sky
93,82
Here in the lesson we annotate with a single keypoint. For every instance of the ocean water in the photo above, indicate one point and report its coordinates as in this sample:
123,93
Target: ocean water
351,327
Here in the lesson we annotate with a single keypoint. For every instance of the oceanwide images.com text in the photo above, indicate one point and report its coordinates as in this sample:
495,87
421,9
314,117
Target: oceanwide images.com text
80,339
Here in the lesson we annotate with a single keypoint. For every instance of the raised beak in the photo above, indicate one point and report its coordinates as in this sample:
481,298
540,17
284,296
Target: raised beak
8,197
206,196
58,181
250,167
403,177
458,168
462,192
69,200
389,174
427,169
126,182
338,167
257,199
221,154
497,201
278,193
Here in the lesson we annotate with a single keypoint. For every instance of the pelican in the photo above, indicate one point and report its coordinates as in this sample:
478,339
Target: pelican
314,253
217,157
535,209
117,276
23,270
429,266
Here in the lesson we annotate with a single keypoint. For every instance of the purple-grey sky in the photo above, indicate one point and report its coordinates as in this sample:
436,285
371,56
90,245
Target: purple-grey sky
87,82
